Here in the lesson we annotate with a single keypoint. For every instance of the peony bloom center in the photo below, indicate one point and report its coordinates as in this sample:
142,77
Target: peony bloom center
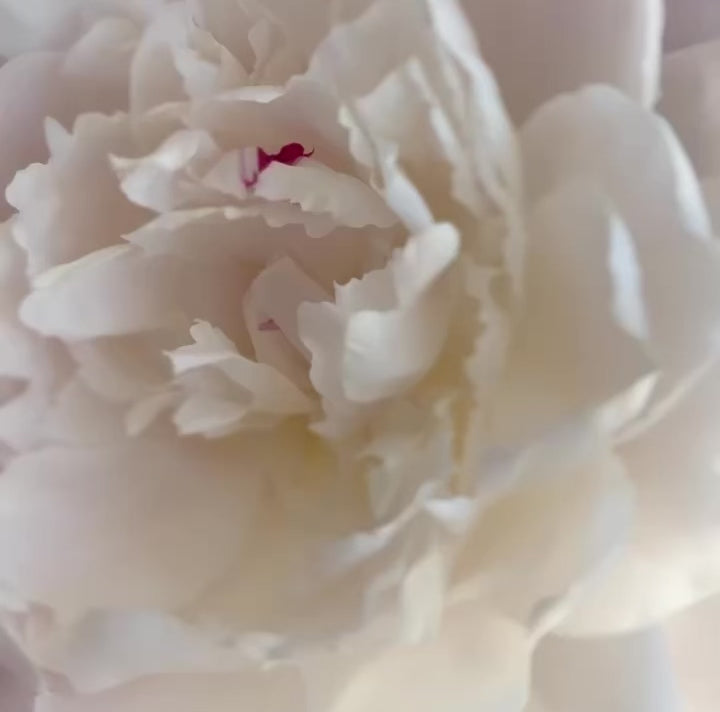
289,154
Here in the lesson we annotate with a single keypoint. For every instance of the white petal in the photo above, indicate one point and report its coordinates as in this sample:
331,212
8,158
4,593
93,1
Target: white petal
386,345
690,22
302,26
694,641
166,179
535,570
318,189
475,664
277,294
22,418
690,90
403,26
600,136
673,555
95,70
540,50
154,79
227,23
430,102
17,684
79,416
73,205
270,691
143,413
119,527
32,82
252,388
711,189
24,355
623,674
112,291
208,415
33,25
579,341
486,131
106,649
123,369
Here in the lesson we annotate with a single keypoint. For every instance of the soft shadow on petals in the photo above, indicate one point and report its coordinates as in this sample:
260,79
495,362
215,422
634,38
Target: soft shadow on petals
690,22
539,49
624,674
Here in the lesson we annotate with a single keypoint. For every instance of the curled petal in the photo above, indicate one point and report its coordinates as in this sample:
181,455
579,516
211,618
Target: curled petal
600,136
112,291
249,390
386,329
317,189
580,340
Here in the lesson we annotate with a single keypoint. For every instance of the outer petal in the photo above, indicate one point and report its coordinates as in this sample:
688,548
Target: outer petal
579,342
517,551
600,136
690,22
694,641
474,664
691,88
33,25
691,94
16,678
539,49
623,674
673,556
274,691
106,650
152,525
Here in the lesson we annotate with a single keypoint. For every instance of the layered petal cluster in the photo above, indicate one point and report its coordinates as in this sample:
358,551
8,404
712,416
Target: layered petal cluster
358,355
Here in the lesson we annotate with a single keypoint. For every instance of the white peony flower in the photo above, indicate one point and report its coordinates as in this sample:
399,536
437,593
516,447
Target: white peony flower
348,366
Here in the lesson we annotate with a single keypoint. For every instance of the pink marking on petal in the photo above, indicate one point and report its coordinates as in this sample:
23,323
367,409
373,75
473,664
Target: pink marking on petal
289,154
268,325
